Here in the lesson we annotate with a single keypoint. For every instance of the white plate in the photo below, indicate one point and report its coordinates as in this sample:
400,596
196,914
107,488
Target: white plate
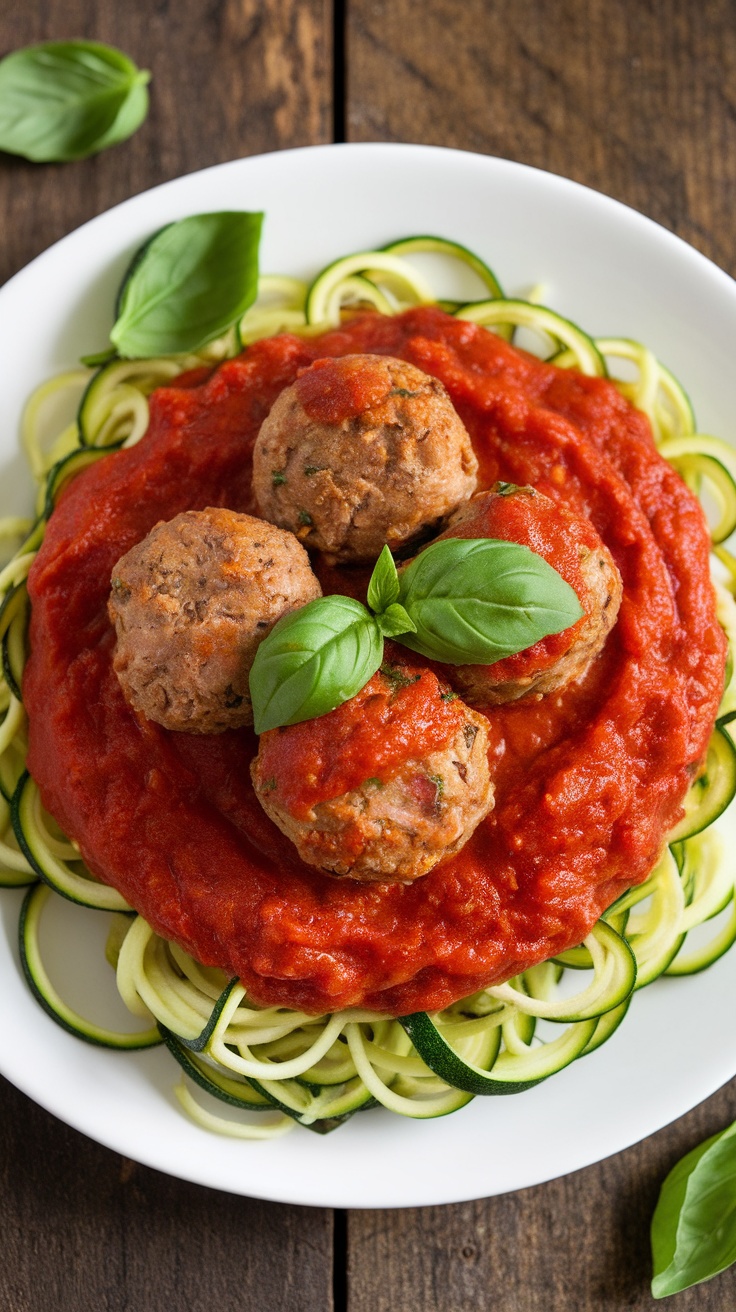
614,272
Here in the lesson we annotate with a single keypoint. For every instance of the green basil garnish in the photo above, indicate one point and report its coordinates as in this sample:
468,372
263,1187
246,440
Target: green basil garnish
313,660
694,1224
188,284
475,601
495,598
64,100
383,588
383,598
393,621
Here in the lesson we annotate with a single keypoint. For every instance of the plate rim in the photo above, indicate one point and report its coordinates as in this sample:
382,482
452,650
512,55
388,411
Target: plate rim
282,158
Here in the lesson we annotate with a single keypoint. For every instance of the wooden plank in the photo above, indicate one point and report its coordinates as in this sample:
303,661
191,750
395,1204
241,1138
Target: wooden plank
83,1230
230,78
633,99
579,1243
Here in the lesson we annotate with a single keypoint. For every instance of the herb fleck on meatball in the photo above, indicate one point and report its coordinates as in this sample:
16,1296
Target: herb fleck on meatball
190,605
360,451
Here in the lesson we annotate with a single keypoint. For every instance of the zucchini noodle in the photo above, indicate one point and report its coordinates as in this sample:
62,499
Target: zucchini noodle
273,1067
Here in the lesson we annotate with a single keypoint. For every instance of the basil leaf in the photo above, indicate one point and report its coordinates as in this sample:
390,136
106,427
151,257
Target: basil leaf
188,284
383,589
313,660
394,620
694,1223
64,100
477,600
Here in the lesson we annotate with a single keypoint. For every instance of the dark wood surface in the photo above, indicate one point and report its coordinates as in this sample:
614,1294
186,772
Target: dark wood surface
637,99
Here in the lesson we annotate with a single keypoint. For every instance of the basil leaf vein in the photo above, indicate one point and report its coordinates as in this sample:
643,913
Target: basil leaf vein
65,100
188,284
312,661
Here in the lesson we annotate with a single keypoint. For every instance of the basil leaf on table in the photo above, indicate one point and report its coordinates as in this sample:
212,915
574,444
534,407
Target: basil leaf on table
694,1223
313,660
475,601
188,284
65,100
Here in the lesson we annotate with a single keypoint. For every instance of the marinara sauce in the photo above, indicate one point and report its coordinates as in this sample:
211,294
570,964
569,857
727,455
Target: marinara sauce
588,782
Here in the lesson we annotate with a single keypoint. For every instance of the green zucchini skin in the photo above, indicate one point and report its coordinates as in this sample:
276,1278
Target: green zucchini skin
441,246
9,778
91,407
699,465
248,1100
579,958
46,995
606,1026
699,959
252,1096
199,1044
506,1075
714,790
500,313
622,985
325,285
85,892
14,613
68,467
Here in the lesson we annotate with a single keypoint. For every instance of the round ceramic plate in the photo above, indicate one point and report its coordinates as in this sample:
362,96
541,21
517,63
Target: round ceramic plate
615,273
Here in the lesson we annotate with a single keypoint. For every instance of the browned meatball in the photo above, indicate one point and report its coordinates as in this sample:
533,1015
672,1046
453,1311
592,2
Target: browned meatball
570,544
386,786
361,451
191,603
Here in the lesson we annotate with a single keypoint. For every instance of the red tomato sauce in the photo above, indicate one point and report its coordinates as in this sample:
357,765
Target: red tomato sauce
587,782
331,393
390,721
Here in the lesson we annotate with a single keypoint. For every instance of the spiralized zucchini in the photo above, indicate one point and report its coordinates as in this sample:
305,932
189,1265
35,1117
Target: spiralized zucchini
273,1067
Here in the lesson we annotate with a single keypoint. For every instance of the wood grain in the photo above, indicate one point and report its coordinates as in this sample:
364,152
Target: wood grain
84,1230
579,1243
636,99
230,78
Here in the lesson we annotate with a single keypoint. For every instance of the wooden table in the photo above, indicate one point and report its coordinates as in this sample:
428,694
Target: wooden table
635,98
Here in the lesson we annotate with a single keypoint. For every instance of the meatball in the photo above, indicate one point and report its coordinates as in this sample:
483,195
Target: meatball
386,786
191,603
569,543
360,451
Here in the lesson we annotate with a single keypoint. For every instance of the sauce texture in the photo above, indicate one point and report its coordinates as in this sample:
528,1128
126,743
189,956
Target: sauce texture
588,782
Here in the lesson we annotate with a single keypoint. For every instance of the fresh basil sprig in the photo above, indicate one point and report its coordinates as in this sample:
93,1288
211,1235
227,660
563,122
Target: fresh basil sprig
475,601
188,284
384,586
323,654
694,1224
64,100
